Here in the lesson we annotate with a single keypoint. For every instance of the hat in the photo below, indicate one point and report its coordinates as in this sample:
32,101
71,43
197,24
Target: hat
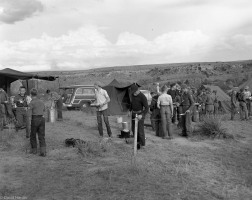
184,86
134,88
246,87
98,83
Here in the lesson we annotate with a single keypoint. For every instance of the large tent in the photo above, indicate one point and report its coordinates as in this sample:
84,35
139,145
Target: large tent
7,76
119,94
224,99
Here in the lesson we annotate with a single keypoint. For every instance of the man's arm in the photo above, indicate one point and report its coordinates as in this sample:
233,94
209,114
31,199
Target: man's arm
145,104
158,102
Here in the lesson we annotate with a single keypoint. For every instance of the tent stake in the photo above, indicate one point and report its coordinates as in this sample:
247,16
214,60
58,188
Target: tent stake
135,135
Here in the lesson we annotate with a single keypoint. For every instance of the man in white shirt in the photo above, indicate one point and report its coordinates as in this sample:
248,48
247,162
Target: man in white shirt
165,104
247,94
102,100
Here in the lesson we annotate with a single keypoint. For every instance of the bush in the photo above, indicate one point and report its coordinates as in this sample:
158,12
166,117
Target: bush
212,127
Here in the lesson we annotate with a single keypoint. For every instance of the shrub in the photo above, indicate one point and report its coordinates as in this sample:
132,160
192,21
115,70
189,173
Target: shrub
211,126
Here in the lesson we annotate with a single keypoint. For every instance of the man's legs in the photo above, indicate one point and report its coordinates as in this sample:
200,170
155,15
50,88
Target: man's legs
99,121
33,139
41,136
188,121
164,121
141,134
169,122
28,124
105,117
152,119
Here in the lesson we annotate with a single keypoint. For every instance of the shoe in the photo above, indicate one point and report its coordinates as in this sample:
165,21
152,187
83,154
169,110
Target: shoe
33,151
42,151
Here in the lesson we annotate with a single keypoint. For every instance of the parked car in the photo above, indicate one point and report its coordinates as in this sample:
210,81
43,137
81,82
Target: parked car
148,95
79,96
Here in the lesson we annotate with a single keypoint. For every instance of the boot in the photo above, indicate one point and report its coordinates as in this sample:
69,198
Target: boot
33,151
42,151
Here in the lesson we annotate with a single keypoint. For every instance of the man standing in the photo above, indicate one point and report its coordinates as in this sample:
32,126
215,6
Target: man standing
186,105
102,100
155,116
248,99
209,103
173,93
234,103
36,111
21,101
216,103
139,107
165,105
3,101
242,103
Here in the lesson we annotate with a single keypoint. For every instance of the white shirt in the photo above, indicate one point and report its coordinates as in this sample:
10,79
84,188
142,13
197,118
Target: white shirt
101,97
164,100
247,94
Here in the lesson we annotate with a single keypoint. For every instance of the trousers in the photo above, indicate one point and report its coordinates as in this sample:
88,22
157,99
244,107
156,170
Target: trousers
103,113
166,119
37,127
186,121
140,130
243,110
23,120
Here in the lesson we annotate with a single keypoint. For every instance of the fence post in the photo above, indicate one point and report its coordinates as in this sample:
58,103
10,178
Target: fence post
135,134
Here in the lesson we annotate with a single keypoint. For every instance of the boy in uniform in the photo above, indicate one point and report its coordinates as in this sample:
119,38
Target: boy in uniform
36,111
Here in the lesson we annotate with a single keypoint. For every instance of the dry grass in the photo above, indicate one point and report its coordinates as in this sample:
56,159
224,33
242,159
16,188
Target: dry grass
103,169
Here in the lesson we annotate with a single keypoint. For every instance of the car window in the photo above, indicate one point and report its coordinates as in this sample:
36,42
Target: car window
88,91
79,91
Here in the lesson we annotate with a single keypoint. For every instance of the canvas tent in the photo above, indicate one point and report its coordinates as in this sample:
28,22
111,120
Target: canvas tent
224,99
7,76
119,94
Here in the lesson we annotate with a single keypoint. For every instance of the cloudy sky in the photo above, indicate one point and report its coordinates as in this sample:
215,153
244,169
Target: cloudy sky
81,34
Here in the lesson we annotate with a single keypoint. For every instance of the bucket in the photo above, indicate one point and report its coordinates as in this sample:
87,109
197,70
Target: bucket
125,125
51,115
119,120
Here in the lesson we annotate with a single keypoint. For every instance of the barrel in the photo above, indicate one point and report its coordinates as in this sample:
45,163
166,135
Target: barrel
51,115
195,116
125,125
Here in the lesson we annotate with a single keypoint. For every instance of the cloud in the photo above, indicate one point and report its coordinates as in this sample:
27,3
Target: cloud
88,47
17,10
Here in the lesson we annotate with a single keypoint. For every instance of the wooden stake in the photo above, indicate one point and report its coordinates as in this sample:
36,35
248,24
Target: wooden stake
135,135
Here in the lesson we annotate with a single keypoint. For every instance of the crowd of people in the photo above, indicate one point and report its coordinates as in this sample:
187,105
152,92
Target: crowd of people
174,104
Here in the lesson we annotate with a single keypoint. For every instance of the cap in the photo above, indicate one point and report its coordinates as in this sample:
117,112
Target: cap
134,88
98,83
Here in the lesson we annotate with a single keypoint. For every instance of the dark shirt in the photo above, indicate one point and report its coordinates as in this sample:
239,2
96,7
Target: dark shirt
37,106
173,93
139,103
153,105
187,100
21,101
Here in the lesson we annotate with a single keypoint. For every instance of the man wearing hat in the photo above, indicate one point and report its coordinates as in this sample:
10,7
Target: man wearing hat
234,103
247,94
209,102
186,105
102,100
139,107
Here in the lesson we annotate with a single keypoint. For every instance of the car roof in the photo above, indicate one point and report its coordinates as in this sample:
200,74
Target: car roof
76,86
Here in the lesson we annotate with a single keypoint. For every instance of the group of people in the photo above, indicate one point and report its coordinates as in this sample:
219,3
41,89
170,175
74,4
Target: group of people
27,112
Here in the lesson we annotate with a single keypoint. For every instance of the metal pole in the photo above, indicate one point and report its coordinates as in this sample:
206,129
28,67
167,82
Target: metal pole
135,135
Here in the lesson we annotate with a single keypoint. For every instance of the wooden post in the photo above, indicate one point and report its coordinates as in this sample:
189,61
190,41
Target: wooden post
135,135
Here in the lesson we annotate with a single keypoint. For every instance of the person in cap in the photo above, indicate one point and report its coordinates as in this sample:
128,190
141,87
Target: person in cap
242,103
23,121
247,94
186,105
36,110
139,106
165,105
234,103
209,102
102,100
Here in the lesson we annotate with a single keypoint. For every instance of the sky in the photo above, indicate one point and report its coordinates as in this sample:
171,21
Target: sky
38,35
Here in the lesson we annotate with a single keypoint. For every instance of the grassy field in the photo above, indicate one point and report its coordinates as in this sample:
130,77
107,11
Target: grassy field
188,169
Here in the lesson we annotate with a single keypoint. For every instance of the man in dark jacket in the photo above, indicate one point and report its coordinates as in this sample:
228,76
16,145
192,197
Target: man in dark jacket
174,93
139,107
186,105
155,116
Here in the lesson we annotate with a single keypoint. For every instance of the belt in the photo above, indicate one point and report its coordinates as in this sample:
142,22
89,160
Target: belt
22,107
165,105
137,112
209,104
37,116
